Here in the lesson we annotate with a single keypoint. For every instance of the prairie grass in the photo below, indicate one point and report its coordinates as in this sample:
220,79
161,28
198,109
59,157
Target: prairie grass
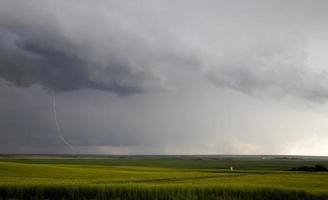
141,179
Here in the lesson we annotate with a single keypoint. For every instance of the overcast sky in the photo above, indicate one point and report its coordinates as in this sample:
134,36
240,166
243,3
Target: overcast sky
164,76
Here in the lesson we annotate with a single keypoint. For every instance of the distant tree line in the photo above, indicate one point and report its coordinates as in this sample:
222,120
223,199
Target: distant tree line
316,168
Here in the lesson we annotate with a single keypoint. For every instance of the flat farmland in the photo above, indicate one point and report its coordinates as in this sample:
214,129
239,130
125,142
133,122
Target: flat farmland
161,177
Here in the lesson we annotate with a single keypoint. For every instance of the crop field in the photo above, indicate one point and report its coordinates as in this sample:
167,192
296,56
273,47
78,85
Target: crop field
161,177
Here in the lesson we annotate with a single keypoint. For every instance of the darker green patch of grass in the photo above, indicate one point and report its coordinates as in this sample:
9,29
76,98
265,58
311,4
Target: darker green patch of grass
179,162
150,193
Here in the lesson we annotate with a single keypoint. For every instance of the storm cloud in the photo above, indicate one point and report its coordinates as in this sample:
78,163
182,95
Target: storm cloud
38,48
163,76
125,49
27,61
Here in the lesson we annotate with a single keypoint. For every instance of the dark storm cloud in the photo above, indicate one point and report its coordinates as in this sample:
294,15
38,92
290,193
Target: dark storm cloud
37,47
25,60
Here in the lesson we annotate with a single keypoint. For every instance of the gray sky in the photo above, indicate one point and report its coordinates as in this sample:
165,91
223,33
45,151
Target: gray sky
164,77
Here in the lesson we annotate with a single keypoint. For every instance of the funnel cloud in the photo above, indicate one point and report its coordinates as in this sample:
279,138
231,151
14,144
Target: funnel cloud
164,77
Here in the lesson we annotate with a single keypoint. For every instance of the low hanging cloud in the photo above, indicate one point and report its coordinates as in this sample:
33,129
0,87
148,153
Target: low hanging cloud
26,61
38,47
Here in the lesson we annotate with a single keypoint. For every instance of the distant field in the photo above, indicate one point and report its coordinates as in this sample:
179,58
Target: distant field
161,177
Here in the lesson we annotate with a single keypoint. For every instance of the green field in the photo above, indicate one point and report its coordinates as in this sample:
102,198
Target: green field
161,177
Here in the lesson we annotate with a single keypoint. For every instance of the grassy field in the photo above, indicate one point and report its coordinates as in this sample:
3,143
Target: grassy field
161,177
